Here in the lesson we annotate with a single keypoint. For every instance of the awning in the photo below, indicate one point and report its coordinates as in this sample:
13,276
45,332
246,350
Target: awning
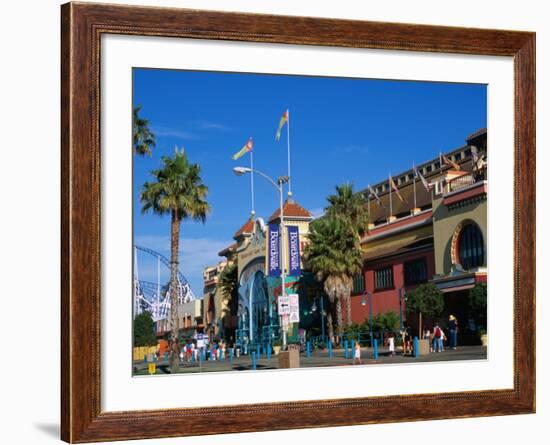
397,247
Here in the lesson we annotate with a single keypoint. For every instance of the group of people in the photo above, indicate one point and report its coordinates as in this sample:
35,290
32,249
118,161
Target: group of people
438,336
193,351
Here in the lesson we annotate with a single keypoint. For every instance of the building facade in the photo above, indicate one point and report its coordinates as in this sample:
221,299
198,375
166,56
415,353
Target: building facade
257,318
431,231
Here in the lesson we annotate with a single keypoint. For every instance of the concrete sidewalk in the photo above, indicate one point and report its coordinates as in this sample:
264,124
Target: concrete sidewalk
318,359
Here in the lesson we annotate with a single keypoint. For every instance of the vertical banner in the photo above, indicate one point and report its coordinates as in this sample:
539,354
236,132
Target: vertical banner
273,251
293,251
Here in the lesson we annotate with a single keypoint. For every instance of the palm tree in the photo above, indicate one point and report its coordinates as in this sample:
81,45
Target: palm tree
330,254
229,284
349,207
143,139
179,192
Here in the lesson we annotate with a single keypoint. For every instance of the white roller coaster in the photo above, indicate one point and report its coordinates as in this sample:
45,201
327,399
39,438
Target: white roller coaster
155,297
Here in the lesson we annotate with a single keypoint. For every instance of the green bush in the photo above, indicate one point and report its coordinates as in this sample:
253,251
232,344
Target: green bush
144,330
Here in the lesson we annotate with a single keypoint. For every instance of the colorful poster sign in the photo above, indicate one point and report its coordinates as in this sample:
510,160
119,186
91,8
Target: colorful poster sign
293,251
294,308
273,251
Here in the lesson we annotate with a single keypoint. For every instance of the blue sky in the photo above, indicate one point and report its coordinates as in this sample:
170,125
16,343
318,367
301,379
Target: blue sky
342,130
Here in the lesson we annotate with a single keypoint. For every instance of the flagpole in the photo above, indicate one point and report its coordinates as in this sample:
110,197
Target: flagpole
391,205
414,184
252,181
368,207
288,152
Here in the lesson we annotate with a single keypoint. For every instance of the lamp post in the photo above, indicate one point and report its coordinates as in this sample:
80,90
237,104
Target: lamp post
322,309
364,297
239,171
402,299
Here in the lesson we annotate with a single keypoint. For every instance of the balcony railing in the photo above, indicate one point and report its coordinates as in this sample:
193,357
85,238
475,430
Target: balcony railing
466,180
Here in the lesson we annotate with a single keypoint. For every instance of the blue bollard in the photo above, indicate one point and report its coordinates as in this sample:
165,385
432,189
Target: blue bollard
193,356
253,360
345,349
231,355
308,350
352,348
330,349
375,349
258,351
415,343
268,351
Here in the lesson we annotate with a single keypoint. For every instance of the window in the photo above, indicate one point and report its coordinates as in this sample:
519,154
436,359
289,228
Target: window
428,168
437,165
416,272
467,152
383,278
470,247
358,284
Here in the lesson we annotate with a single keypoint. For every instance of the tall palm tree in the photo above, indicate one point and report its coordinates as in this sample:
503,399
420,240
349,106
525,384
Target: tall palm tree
330,254
143,139
179,192
350,208
229,285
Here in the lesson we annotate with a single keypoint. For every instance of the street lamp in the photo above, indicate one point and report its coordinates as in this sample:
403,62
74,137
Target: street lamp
239,171
313,309
402,299
364,303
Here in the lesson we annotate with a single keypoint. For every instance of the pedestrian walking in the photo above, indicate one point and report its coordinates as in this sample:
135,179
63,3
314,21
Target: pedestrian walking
391,344
453,331
428,336
357,354
437,338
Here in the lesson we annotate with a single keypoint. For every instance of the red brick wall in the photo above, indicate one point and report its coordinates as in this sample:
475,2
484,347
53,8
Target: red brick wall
387,300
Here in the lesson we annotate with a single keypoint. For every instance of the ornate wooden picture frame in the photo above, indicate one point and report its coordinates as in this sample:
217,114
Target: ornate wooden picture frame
82,26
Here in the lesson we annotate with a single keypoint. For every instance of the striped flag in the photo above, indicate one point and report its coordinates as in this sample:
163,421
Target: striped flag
282,122
375,196
395,189
447,161
425,183
247,148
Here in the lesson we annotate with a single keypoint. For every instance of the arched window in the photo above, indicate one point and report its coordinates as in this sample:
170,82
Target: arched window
470,247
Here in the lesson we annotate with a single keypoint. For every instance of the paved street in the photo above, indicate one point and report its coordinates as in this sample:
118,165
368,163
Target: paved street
318,359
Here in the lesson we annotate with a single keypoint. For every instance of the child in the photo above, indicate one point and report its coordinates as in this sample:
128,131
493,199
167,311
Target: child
428,336
391,344
357,353
438,341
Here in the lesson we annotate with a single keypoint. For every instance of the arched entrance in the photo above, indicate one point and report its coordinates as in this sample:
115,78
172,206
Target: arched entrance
257,315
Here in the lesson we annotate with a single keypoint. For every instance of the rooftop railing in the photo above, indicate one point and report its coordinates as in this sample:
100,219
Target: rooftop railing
466,180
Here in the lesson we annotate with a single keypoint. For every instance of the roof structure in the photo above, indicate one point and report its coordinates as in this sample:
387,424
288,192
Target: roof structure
476,134
291,209
246,229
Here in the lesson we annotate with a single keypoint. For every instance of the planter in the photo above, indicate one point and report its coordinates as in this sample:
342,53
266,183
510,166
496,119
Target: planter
483,340
423,347
289,359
